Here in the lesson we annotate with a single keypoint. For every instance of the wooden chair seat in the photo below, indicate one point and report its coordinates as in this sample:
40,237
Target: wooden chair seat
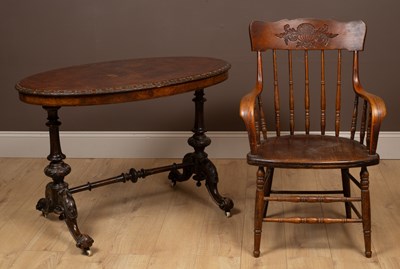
311,151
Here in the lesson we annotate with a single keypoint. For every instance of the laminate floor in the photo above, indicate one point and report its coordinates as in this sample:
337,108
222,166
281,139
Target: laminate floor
152,225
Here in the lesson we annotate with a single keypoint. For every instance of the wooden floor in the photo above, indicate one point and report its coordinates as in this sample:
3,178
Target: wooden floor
151,225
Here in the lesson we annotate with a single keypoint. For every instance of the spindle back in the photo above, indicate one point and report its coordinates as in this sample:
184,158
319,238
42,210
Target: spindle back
306,37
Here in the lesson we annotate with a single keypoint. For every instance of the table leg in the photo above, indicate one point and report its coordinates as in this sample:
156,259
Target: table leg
199,164
58,199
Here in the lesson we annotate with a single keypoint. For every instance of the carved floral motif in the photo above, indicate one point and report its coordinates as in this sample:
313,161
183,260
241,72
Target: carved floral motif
306,35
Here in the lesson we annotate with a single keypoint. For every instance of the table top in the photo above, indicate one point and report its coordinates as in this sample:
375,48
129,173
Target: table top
121,81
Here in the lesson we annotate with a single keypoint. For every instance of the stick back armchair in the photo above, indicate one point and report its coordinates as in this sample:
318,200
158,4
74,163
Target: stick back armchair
306,130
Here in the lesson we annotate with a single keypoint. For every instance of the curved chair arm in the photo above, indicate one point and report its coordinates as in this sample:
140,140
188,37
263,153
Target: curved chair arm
248,114
377,106
378,113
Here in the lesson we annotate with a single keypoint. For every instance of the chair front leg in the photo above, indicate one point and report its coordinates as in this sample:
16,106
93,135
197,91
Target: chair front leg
258,212
366,210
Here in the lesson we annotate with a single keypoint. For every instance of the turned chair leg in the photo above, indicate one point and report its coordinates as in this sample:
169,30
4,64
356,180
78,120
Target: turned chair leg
258,212
346,190
366,210
267,190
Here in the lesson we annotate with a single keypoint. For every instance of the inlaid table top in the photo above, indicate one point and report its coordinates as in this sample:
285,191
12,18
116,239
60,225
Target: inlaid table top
121,81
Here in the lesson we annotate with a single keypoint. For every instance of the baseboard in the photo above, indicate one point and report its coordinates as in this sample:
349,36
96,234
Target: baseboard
146,144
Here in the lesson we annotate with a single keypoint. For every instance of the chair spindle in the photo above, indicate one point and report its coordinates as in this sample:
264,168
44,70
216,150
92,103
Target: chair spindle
291,92
363,122
263,125
354,118
276,96
338,92
307,93
369,128
323,96
257,122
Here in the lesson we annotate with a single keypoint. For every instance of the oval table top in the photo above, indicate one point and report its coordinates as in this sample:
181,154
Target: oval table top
121,81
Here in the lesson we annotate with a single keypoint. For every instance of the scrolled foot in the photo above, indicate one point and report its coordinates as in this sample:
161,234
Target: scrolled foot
210,172
226,204
84,242
70,215
43,205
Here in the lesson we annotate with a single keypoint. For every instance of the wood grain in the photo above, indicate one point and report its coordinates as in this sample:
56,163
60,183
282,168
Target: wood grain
151,225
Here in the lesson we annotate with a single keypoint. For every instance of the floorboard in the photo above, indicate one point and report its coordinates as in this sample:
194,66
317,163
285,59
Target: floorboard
150,224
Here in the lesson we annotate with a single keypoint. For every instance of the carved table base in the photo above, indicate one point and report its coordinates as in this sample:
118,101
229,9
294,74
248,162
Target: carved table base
58,197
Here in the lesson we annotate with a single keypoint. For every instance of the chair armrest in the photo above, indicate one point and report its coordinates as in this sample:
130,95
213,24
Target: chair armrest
378,113
248,114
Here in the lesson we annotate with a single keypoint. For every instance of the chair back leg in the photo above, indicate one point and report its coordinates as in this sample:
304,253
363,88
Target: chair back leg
346,191
268,186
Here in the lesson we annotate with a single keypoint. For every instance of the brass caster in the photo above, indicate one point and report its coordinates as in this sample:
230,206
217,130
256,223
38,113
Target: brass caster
87,252
228,214
172,183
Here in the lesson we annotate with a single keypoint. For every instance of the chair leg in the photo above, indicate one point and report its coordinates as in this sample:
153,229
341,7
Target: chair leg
346,190
268,186
258,212
366,210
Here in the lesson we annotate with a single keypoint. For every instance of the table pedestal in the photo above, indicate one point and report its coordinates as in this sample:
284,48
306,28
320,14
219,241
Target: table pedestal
58,196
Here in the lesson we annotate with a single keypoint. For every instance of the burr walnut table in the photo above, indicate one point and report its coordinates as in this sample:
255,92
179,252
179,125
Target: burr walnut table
118,82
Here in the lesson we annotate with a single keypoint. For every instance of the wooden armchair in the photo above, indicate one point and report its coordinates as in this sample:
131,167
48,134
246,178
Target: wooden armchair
312,137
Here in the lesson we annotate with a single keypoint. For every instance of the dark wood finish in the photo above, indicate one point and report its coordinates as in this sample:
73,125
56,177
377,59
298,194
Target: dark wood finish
58,199
322,151
307,148
116,82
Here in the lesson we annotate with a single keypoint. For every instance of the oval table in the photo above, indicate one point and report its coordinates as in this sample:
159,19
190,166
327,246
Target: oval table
117,82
